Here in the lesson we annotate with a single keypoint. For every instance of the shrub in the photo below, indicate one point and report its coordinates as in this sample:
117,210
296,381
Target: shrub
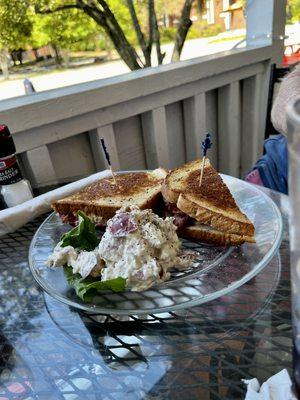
201,29
168,34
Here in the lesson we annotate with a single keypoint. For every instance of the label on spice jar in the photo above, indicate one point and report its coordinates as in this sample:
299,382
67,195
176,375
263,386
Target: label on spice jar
10,171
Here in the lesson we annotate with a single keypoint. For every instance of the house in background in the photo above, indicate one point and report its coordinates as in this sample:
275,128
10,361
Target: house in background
228,14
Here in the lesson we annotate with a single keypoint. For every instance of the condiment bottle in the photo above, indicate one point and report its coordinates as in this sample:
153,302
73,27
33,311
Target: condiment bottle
14,188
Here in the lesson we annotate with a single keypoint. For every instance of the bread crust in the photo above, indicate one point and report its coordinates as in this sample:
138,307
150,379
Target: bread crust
169,191
103,199
105,211
217,220
169,195
211,203
199,234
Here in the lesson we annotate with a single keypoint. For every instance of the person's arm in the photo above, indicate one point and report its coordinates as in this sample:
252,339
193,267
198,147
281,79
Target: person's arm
288,90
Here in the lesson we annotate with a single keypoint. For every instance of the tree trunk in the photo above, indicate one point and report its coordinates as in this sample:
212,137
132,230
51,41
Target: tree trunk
155,32
139,34
13,57
20,56
36,54
101,13
200,6
107,20
4,63
57,54
66,58
183,28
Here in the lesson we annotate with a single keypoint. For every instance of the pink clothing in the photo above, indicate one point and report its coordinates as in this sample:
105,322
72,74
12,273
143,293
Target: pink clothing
254,177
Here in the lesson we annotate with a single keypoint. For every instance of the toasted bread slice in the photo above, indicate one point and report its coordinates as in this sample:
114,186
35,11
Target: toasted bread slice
206,234
102,199
211,203
175,181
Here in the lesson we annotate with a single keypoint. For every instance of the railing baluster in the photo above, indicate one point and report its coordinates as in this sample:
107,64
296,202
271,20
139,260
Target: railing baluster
155,136
229,128
200,117
175,129
252,129
39,167
194,124
107,133
129,137
212,125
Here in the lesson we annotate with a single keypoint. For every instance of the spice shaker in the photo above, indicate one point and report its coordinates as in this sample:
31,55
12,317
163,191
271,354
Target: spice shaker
14,188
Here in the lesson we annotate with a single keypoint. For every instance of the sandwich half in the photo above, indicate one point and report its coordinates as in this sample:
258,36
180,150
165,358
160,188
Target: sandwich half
213,215
100,200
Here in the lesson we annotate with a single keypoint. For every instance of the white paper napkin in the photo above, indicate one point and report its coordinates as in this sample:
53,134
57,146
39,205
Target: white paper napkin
15,217
278,387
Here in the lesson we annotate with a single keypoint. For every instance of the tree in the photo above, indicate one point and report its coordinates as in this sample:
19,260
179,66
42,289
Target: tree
107,15
183,27
293,10
15,25
15,28
63,30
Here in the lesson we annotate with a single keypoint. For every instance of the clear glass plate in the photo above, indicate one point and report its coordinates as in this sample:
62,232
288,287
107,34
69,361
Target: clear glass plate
218,271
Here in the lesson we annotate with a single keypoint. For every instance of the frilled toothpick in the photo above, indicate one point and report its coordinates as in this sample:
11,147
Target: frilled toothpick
206,144
106,154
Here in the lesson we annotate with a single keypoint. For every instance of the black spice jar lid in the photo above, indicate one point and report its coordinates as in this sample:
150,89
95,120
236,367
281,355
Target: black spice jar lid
7,146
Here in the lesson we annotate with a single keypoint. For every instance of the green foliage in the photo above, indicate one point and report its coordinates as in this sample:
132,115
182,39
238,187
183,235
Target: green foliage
121,13
167,35
202,29
21,27
70,29
15,24
293,11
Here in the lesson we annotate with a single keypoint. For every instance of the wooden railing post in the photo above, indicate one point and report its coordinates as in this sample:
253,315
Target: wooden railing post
266,25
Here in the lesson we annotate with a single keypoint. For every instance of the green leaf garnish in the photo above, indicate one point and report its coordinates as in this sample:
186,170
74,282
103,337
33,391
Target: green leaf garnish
87,288
83,236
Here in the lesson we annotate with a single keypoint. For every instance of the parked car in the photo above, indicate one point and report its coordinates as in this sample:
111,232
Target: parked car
291,55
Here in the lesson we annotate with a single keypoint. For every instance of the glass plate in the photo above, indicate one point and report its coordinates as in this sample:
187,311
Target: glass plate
218,271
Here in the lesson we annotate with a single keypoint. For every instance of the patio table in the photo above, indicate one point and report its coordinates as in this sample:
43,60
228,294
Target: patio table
51,351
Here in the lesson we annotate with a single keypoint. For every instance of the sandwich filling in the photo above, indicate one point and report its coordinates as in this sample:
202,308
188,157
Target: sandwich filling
72,219
180,219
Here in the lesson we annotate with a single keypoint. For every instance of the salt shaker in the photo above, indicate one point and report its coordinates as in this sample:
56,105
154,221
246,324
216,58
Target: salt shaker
14,188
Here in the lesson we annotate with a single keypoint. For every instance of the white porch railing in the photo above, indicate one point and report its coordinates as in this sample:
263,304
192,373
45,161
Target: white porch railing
149,118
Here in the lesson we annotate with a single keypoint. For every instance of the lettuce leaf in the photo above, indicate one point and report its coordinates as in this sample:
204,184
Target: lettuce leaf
83,236
87,288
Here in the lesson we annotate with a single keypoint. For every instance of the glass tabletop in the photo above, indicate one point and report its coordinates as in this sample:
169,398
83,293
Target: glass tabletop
51,351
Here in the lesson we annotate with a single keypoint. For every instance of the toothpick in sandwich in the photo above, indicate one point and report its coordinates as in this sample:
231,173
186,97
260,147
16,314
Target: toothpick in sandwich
206,144
106,154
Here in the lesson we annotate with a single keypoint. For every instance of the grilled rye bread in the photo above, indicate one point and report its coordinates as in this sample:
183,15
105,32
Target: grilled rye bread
211,204
204,233
100,200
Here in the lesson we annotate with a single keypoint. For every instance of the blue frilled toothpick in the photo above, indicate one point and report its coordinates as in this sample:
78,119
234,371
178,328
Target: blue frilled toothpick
106,154
206,144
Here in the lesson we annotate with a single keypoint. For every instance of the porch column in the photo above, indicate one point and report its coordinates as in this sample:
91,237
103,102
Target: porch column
266,25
